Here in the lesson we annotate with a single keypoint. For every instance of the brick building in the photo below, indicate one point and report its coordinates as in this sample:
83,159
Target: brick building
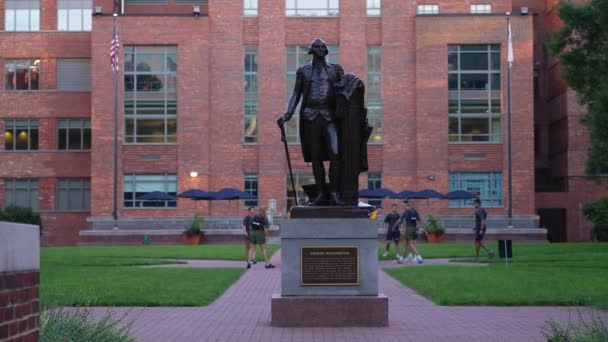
200,93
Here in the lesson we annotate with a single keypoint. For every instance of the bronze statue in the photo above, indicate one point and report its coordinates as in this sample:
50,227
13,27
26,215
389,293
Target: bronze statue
331,103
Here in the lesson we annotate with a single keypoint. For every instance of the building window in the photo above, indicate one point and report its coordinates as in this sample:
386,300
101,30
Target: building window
481,8
251,186
250,92
487,185
22,15
374,92
21,192
74,134
21,74
20,135
374,181
74,74
428,9
474,93
250,7
74,194
150,94
373,7
299,179
137,185
314,8
74,15
296,57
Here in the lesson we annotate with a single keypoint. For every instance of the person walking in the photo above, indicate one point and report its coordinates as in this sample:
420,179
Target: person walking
411,220
392,231
480,229
257,236
246,227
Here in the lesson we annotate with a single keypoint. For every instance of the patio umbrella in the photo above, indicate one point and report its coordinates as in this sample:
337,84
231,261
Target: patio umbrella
459,194
428,193
406,194
377,193
197,195
157,196
232,194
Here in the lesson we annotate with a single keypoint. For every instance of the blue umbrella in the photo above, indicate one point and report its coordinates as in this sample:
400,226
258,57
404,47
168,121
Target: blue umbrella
460,194
377,193
428,193
406,194
232,194
197,194
157,196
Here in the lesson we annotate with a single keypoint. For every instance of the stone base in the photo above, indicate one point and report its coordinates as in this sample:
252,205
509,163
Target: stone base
329,311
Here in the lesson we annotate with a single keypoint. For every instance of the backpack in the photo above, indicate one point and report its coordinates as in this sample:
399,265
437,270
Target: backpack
257,222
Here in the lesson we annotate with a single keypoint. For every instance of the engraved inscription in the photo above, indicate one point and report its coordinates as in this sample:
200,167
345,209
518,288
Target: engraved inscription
330,266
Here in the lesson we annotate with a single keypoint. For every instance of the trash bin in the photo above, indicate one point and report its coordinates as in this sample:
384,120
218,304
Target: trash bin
502,248
146,240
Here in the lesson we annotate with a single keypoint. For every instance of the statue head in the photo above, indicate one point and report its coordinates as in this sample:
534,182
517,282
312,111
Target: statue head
318,48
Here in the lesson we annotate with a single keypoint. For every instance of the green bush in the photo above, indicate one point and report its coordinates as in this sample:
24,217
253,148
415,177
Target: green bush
597,212
78,325
17,214
196,225
591,331
433,225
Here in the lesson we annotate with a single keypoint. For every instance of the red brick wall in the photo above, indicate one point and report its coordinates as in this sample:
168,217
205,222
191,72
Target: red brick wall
19,306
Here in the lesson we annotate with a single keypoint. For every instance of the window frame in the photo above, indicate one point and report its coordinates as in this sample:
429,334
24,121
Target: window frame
481,8
251,185
169,98
29,127
250,8
374,52
427,9
82,128
494,183
14,6
31,66
301,12
492,95
30,191
167,178
250,99
374,181
83,188
373,8
77,5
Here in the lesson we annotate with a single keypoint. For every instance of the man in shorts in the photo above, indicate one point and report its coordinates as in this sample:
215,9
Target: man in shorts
411,219
246,226
392,231
480,229
257,236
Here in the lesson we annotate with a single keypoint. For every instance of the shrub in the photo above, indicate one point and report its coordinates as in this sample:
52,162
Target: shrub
592,331
433,225
597,212
17,214
78,325
196,225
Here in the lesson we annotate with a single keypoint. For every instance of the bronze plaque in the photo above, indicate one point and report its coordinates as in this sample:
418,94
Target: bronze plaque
325,265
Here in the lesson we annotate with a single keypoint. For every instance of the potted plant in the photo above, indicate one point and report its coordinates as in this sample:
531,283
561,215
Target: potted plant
194,233
434,230
597,213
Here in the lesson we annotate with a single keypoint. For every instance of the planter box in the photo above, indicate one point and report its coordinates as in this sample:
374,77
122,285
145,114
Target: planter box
434,238
191,240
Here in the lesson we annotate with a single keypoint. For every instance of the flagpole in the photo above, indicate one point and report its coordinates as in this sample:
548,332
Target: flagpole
509,146
115,204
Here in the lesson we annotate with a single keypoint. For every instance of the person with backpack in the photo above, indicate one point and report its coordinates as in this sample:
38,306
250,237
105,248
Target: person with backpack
257,236
411,219
480,229
392,231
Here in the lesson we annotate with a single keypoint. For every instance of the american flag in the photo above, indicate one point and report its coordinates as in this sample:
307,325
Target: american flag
114,51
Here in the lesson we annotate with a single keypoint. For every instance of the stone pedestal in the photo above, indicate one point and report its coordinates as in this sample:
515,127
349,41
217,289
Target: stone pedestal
329,270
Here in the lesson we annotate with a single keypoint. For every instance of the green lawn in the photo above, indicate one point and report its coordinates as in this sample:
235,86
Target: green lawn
538,274
99,276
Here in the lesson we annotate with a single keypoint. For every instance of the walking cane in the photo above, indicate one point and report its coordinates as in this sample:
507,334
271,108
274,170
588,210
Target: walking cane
284,139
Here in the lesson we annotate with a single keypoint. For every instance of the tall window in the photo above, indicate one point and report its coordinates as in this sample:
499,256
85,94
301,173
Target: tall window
474,93
374,181
374,91
487,185
74,15
481,8
21,192
251,186
427,9
150,94
137,185
21,74
316,8
74,74
373,7
74,194
250,7
296,57
20,135
74,134
299,179
250,104
22,15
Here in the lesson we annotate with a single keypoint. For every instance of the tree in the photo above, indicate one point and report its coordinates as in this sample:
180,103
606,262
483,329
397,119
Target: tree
581,46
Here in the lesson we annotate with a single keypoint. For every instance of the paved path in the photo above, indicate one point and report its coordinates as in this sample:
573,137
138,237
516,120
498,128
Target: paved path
242,313
201,263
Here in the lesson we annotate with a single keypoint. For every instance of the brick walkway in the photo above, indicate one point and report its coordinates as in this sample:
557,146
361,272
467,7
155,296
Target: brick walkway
243,314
